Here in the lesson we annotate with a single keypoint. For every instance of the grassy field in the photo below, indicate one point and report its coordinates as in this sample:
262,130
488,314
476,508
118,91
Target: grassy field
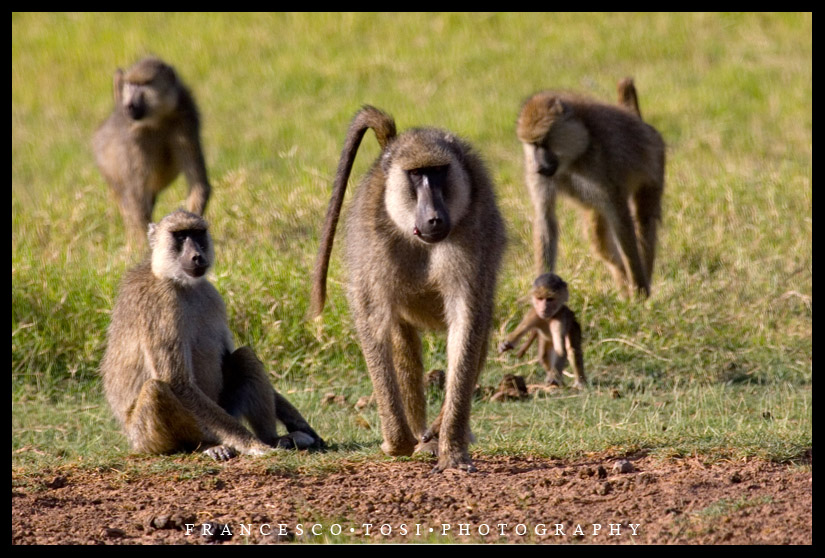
717,362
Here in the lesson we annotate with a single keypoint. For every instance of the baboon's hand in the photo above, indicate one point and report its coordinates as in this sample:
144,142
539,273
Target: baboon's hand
504,346
299,440
221,453
309,438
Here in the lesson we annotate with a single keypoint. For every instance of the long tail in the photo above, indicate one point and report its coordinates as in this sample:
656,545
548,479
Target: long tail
384,127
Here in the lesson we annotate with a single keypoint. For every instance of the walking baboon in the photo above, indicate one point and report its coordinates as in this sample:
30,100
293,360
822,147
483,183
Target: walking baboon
170,372
627,95
151,136
559,334
424,239
612,163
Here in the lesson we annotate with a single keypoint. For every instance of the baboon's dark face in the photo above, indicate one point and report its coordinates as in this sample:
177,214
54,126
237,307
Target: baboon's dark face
136,105
150,91
546,161
192,246
432,219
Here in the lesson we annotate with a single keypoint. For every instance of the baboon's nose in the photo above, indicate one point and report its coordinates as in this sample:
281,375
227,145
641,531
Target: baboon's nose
136,111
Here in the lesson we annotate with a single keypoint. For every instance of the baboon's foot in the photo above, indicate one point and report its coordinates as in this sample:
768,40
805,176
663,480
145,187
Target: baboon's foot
399,448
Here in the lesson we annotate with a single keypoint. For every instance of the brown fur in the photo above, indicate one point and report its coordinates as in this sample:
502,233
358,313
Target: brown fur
399,284
170,372
140,157
628,97
612,163
559,334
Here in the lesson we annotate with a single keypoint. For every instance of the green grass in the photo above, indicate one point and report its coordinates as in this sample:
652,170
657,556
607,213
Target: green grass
725,338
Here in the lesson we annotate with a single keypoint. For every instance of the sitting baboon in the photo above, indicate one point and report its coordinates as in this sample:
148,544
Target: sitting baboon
170,372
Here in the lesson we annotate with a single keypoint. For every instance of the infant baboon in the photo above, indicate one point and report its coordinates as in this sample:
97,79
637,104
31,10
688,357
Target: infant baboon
611,162
171,373
559,334
151,136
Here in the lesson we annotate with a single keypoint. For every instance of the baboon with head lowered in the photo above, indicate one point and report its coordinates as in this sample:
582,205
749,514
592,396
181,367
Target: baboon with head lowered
424,240
560,335
151,136
170,372
612,163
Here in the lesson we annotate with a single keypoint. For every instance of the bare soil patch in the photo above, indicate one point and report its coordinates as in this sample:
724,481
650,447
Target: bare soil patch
512,499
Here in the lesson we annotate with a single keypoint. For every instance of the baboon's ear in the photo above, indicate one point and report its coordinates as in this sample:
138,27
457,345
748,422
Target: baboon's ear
118,86
151,234
557,107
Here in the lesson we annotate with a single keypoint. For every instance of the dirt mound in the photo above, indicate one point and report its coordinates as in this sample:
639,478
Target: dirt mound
510,499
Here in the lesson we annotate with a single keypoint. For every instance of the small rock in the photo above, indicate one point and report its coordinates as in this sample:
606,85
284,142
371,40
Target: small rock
160,522
623,466
57,482
112,533
217,532
604,489
174,520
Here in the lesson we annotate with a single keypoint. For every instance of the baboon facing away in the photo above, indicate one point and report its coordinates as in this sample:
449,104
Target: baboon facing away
559,334
611,162
424,239
152,135
170,372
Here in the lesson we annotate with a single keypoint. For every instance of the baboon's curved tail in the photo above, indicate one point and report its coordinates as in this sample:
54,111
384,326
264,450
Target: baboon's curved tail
384,127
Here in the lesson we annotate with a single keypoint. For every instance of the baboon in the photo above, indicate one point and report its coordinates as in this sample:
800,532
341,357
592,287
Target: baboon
611,162
151,136
627,95
559,334
170,372
424,240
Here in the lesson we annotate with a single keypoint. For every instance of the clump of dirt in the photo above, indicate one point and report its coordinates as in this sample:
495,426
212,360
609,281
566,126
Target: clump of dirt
601,499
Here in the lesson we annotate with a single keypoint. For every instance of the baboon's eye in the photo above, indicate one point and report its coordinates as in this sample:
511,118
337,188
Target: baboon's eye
199,237
180,237
439,172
